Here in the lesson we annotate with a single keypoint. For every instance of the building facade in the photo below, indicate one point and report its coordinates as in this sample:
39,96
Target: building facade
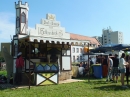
99,38
110,37
77,51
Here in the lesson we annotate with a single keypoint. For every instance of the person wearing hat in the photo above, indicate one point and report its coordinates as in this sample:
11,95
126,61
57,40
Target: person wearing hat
19,66
115,70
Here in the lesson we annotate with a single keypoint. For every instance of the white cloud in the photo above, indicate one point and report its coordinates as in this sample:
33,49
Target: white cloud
7,26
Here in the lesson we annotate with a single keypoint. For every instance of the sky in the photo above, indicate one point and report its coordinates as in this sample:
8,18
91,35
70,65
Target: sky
83,17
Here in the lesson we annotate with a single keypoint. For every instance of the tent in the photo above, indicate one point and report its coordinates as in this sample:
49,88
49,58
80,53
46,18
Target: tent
98,50
121,47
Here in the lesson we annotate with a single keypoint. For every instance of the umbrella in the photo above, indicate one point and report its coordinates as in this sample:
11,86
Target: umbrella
121,46
98,50
108,47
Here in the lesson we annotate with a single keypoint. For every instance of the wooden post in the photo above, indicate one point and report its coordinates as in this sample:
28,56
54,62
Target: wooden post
29,62
88,64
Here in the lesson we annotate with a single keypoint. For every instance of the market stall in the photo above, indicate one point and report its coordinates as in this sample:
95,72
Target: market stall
45,49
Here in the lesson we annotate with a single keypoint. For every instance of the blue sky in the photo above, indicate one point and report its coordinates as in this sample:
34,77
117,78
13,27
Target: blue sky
84,17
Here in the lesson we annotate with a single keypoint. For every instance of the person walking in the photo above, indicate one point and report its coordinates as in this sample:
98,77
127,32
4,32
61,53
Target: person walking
104,66
127,69
122,66
110,65
115,70
19,66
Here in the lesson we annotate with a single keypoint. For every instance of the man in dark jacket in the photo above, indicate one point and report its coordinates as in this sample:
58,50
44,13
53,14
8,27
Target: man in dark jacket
115,70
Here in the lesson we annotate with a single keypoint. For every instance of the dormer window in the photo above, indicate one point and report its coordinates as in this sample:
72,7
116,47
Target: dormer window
23,18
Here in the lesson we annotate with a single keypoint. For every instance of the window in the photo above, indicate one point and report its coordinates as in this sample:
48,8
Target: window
77,58
94,45
73,50
80,50
23,18
81,58
77,50
73,58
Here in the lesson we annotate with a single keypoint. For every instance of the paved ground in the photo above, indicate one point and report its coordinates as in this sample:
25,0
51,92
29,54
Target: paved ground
10,86
70,81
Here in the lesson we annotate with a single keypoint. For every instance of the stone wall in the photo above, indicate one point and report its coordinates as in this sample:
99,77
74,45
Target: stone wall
64,75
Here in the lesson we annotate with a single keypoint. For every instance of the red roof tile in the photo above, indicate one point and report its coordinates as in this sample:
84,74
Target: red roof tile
81,37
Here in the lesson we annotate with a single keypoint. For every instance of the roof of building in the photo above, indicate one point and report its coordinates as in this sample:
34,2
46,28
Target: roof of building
81,37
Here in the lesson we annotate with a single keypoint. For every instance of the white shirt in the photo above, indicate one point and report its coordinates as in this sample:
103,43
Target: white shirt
94,60
122,63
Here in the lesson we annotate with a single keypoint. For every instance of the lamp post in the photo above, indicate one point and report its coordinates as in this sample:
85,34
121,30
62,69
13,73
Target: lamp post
88,65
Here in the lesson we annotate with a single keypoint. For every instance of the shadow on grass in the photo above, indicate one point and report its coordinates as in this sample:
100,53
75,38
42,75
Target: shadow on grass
95,81
85,78
110,88
101,84
91,78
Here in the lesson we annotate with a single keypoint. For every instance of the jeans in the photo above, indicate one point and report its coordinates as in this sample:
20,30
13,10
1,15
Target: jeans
109,75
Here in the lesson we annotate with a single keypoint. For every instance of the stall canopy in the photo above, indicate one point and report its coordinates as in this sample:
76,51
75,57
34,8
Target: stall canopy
98,50
110,47
121,46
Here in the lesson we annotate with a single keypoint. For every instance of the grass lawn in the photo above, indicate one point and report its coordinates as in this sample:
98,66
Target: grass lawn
94,88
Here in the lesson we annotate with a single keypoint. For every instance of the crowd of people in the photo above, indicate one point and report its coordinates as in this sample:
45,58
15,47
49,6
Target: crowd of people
112,67
118,67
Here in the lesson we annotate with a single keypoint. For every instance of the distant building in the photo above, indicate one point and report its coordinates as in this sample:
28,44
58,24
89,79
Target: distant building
110,37
99,38
77,51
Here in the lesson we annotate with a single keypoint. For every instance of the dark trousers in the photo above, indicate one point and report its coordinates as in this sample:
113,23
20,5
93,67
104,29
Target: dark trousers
127,75
18,76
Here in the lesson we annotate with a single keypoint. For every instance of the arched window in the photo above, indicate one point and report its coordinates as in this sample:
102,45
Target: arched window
23,18
17,22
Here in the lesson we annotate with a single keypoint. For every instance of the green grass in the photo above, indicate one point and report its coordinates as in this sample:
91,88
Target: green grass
94,88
